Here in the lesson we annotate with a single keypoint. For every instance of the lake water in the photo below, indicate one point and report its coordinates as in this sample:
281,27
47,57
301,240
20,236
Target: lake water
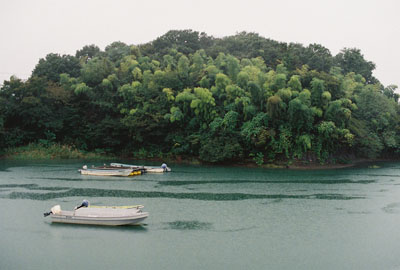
204,218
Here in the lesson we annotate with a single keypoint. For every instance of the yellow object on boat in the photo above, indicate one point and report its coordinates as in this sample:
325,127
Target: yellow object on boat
135,173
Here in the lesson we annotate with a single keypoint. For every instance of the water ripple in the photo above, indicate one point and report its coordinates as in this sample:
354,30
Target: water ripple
31,187
392,208
377,175
188,225
28,186
90,192
329,182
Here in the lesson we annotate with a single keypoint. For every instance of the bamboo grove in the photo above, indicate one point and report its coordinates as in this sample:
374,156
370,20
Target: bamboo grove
187,94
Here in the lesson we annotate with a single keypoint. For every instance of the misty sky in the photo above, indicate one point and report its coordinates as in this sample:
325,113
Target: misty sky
30,29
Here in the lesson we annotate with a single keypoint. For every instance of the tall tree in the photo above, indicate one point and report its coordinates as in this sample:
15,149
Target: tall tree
351,60
53,65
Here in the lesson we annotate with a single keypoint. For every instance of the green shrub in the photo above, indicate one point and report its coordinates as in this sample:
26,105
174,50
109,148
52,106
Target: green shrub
52,151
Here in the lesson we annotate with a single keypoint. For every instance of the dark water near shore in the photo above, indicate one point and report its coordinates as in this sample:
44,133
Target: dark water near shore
204,218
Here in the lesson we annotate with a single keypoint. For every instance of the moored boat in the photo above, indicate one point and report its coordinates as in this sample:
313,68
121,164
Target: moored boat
149,169
110,171
98,215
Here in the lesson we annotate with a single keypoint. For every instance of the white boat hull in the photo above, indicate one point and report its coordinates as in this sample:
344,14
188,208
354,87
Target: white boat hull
155,170
108,216
149,169
107,172
107,221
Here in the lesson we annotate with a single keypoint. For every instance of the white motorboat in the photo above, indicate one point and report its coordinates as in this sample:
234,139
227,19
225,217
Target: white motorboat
110,171
149,169
99,215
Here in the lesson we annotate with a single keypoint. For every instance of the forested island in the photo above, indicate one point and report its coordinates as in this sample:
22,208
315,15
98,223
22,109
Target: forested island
190,96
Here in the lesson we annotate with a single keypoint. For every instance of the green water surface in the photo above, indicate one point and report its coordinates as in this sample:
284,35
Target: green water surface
204,218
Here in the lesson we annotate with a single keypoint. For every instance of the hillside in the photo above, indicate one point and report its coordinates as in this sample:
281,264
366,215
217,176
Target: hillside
190,95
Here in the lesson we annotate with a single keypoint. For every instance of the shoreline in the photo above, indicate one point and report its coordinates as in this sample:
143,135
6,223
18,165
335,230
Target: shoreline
40,152
272,166
372,163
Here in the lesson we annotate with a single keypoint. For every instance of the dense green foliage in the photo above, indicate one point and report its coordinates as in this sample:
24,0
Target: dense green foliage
34,151
187,94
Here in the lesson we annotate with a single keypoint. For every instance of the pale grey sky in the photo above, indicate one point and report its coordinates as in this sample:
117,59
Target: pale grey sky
30,29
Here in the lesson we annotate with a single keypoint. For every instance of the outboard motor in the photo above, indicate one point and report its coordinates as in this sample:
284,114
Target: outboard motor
164,166
55,210
85,203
